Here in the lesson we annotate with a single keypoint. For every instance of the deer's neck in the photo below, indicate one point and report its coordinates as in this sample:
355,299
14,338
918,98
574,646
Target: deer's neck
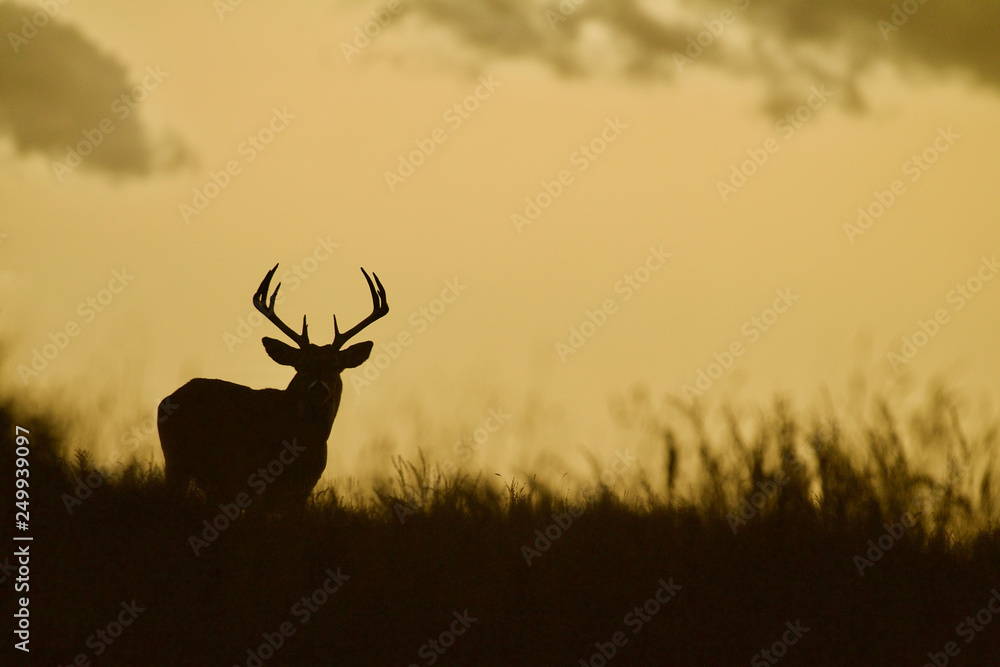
317,399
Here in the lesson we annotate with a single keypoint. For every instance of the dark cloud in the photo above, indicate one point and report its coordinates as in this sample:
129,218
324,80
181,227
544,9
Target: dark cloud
57,88
787,43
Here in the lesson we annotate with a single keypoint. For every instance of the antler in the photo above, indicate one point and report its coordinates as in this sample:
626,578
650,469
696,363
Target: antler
380,306
261,304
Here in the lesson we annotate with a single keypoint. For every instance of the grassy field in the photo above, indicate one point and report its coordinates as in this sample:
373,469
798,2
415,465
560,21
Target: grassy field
799,546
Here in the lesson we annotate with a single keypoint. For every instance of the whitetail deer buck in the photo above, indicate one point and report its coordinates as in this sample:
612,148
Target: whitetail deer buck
224,435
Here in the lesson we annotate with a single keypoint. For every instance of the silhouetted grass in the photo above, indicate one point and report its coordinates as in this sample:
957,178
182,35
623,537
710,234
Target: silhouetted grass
421,547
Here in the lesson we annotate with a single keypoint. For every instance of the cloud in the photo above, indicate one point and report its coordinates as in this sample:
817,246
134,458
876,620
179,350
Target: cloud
786,43
56,85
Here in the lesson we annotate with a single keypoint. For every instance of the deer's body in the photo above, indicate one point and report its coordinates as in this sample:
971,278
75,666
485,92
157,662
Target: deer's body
193,440
269,443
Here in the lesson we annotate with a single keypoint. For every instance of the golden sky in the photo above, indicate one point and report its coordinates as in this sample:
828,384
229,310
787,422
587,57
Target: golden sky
563,200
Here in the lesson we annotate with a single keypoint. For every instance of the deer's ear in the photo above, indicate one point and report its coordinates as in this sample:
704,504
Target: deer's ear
284,354
356,354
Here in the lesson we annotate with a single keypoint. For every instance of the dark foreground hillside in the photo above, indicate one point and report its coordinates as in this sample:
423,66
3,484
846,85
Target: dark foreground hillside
830,563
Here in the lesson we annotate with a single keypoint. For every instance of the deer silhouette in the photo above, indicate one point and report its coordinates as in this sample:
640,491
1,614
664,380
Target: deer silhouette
267,443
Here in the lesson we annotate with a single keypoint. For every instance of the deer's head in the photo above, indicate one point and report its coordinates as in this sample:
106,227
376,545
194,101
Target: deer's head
318,367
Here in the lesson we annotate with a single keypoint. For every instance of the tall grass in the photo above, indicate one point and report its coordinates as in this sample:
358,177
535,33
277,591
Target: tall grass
878,537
